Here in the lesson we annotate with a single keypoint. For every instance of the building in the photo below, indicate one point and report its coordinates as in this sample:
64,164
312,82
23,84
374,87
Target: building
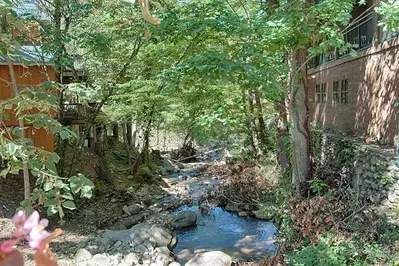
38,72
358,94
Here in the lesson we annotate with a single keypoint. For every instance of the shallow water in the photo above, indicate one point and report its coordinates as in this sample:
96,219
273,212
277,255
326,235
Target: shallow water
244,239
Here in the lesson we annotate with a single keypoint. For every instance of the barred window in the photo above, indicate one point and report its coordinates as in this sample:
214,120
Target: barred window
344,91
336,92
318,93
324,93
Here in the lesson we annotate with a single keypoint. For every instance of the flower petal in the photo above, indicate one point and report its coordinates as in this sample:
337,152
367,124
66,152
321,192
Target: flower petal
19,219
38,234
8,246
32,221
43,222
35,244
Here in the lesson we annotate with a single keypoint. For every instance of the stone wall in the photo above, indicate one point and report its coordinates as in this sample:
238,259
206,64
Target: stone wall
370,170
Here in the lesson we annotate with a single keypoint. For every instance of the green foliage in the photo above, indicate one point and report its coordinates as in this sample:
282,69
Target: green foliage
328,252
317,186
389,10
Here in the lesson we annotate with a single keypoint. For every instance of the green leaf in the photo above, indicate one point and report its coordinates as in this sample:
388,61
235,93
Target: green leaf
64,134
35,164
54,157
48,186
55,129
18,132
47,85
81,184
67,195
50,165
69,205
41,96
25,63
25,203
11,148
51,210
38,124
51,99
50,202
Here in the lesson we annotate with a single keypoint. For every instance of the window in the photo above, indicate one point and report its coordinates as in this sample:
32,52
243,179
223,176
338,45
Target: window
344,91
336,92
324,93
321,93
318,94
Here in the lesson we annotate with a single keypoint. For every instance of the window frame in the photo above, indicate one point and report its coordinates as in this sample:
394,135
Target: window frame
336,92
318,93
323,93
344,92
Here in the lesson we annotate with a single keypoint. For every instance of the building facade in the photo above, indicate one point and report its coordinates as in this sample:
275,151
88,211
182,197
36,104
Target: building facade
26,77
358,93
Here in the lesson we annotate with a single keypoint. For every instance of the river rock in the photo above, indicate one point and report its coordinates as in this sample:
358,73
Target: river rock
212,258
133,209
99,260
184,219
243,214
261,215
163,237
131,259
162,260
82,255
232,207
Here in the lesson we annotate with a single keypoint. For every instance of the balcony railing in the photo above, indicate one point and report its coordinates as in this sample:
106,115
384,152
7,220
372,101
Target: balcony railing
77,112
359,35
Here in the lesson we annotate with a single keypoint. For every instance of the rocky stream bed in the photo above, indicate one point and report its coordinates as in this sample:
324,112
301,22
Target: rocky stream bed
174,231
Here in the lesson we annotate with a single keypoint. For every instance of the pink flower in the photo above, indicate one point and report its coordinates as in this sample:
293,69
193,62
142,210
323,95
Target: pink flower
37,234
8,246
19,219
33,229
31,222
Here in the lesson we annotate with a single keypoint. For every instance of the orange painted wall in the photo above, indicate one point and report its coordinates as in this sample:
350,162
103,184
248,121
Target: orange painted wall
27,77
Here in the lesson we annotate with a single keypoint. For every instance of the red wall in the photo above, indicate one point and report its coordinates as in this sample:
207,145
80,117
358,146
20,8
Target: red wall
26,77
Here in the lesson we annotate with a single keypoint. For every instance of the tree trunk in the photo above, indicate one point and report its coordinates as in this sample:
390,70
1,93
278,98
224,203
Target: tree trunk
129,133
21,125
261,121
252,125
126,142
144,154
299,116
282,136
115,131
100,148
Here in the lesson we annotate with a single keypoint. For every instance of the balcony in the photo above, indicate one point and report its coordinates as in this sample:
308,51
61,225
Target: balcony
359,35
77,113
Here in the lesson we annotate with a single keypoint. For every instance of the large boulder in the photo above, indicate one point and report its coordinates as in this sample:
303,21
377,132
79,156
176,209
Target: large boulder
133,209
184,219
212,258
163,237
232,207
155,235
82,257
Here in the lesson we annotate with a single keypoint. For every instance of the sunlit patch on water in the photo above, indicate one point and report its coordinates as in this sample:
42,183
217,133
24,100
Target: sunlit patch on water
242,238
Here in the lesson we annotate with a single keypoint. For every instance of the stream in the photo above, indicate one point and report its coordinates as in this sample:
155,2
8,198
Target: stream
244,239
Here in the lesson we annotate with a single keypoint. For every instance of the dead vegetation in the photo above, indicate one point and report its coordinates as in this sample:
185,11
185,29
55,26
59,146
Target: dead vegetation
244,185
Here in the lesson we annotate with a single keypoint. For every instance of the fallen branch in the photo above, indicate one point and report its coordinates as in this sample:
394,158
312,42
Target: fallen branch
195,155
355,212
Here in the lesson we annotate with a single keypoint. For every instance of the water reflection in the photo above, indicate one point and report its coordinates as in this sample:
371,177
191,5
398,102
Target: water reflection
241,238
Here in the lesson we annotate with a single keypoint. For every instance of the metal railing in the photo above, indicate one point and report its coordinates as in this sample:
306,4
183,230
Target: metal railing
359,35
78,111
